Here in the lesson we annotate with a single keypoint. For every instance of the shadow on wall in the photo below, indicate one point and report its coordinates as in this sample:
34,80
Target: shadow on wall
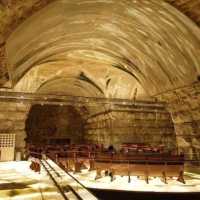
47,122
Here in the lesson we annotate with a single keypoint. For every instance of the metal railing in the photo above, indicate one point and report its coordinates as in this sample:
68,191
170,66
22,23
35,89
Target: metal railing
60,189
45,163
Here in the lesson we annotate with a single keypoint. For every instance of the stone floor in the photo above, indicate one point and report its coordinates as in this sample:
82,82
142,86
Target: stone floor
18,182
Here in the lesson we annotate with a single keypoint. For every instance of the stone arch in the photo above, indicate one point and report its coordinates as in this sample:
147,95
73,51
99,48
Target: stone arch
47,122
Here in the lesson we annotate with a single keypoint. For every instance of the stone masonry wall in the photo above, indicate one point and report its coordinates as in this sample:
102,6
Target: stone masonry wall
184,106
122,125
12,120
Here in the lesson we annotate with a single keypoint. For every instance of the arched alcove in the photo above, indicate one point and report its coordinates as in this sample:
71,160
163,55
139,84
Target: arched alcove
45,123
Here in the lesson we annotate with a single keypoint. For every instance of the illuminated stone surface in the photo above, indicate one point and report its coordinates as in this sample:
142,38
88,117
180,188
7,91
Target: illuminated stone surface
18,181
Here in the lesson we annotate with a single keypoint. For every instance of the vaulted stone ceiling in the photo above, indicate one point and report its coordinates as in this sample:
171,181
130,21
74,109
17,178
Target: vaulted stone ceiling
191,8
97,47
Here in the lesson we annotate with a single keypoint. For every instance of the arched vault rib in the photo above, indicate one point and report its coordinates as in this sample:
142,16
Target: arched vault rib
55,77
74,86
141,35
69,86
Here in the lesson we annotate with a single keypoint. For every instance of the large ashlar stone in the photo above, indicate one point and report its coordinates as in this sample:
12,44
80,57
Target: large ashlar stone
13,106
196,143
196,114
193,102
182,117
6,125
19,125
14,116
184,106
20,140
12,120
185,129
117,127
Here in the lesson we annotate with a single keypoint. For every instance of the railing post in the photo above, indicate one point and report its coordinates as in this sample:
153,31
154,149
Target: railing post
56,158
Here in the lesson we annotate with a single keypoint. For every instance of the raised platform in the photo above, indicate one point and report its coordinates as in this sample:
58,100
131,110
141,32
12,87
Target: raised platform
19,182
87,178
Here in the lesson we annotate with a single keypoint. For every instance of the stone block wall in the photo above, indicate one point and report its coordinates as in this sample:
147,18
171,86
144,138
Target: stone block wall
184,106
12,120
122,125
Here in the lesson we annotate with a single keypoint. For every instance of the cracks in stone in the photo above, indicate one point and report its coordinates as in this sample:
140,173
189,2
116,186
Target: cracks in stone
107,83
85,78
122,68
